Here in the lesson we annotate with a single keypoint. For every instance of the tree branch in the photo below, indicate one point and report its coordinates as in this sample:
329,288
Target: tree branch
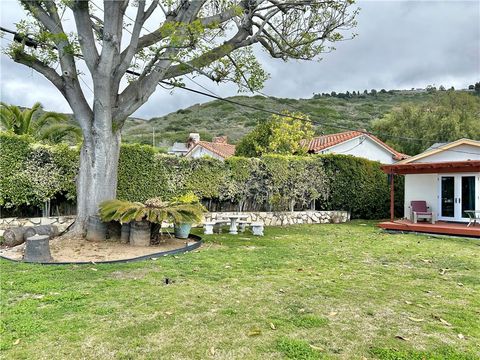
85,34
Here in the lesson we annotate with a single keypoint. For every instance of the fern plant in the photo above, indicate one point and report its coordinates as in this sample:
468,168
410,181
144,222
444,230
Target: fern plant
154,211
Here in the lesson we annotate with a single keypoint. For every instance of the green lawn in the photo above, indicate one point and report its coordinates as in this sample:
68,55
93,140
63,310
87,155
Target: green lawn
302,292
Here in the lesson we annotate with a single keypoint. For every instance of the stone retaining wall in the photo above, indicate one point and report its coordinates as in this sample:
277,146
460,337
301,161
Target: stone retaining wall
268,218
62,222
287,217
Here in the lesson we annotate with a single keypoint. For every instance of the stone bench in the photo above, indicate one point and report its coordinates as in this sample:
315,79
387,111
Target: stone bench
209,225
257,228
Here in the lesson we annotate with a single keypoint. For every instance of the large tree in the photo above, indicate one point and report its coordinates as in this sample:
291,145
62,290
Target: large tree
277,135
447,116
162,40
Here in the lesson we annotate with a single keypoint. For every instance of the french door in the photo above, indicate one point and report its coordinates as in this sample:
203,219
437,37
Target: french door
457,194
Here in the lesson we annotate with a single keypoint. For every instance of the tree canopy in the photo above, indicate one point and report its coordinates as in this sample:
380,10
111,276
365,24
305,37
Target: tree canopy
277,135
449,116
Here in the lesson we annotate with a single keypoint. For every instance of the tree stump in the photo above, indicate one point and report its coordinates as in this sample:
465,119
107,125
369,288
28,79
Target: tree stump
96,229
37,249
140,233
50,230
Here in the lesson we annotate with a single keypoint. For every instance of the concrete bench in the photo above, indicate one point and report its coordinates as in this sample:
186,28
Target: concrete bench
209,225
243,224
257,228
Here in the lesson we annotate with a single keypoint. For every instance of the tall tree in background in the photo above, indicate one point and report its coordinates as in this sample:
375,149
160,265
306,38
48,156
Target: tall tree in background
205,37
277,135
449,116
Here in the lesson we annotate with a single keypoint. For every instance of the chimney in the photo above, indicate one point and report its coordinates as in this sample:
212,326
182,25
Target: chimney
193,138
220,140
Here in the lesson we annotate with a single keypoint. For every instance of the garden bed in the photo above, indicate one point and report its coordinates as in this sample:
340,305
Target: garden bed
75,249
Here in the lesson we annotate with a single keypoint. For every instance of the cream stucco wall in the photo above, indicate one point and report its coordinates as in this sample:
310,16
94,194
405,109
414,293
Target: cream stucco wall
458,153
362,147
421,187
200,151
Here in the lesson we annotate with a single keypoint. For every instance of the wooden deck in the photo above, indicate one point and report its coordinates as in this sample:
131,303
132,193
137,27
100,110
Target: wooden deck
440,227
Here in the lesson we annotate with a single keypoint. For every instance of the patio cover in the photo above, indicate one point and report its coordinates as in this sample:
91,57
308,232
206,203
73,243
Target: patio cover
431,168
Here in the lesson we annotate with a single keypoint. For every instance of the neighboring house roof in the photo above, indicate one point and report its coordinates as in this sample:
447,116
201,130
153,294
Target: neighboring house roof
178,147
327,141
221,149
432,150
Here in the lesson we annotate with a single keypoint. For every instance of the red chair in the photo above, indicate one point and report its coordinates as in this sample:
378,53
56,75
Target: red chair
420,210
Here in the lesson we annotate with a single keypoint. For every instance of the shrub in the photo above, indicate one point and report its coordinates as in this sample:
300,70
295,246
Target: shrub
31,174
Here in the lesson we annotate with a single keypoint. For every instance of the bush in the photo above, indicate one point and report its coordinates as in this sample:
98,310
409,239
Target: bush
31,174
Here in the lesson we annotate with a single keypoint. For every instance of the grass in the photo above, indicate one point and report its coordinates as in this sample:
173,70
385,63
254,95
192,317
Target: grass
302,292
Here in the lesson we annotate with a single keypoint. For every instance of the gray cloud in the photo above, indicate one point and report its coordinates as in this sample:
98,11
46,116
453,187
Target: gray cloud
400,44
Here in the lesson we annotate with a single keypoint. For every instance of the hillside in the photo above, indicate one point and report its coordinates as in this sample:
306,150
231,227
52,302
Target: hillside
217,117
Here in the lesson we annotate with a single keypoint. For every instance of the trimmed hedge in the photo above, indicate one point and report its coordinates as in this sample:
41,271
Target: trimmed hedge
31,174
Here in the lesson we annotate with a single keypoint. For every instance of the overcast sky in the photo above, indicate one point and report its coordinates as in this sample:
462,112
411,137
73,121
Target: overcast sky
400,45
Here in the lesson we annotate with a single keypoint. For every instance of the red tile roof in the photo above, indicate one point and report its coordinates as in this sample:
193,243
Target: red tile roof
325,141
221,149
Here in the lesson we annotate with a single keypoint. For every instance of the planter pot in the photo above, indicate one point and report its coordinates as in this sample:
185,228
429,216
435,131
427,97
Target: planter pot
96,229
182,230
140,233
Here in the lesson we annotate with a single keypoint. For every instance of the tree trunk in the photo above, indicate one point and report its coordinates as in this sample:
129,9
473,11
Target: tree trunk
97,178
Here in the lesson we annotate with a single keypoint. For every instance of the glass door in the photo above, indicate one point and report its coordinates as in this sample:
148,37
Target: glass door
447,198
458,194
468,195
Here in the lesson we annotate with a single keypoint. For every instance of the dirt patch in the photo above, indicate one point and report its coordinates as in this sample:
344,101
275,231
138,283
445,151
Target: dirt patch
68,248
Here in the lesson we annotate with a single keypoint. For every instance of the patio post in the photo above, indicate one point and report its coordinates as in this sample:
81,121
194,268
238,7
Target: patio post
392,198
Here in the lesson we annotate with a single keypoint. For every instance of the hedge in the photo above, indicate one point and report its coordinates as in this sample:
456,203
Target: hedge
31,174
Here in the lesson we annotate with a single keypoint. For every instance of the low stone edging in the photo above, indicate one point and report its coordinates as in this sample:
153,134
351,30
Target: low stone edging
62,222
287,217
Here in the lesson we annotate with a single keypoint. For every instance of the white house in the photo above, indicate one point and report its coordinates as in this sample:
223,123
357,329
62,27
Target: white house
218,149
355,143
446,176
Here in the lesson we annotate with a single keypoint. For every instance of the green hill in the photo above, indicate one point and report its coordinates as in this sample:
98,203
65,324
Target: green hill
217,117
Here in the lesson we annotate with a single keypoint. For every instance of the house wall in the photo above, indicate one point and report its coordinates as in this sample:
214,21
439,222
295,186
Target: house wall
421,187
199,152
362,147
460,153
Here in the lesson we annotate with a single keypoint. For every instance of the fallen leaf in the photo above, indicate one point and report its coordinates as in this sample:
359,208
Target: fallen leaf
254,332
461,336
281,290
459,284
318,348
408,302
445,322
301,310
212,351
16,342
401,338
333,313
415,319
168,313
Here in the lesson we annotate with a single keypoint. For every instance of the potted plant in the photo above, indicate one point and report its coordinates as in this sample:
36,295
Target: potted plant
152,212
183,226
